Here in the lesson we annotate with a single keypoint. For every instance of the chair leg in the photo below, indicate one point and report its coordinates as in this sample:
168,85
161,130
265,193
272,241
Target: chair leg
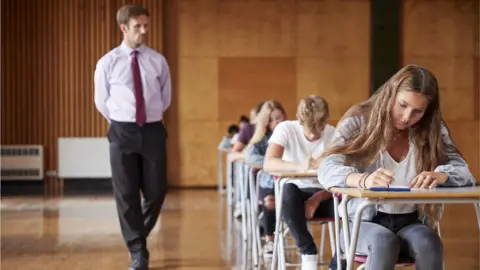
331,235
278,230
337,233
253,218
243,196
281,250
258,238
477,210
322,243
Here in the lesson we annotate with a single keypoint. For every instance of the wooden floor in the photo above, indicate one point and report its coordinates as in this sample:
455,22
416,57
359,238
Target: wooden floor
83,233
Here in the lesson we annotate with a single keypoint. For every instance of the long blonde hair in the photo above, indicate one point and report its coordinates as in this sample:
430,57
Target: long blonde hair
363,146
263,119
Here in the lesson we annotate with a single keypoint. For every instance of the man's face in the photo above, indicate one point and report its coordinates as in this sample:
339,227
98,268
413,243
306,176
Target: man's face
136,30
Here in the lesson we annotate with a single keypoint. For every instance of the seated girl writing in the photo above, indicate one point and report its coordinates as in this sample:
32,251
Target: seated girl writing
396,137
270,115
297,146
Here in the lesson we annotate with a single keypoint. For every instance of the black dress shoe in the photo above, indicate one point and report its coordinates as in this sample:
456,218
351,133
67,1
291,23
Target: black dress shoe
144,254
139,261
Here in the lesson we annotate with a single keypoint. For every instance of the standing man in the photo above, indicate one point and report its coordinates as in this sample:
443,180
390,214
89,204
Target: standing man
132,91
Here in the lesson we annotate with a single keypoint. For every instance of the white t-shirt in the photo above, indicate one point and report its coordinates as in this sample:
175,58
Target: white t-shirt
297,148
234,139
404,172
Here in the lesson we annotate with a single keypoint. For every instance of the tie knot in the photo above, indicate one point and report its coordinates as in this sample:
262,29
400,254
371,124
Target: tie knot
134,53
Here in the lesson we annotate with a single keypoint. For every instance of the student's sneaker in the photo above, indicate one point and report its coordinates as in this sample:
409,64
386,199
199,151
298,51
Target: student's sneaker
268,250
309,262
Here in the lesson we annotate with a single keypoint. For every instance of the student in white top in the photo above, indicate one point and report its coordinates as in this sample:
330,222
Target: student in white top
297,146
396,137
226,142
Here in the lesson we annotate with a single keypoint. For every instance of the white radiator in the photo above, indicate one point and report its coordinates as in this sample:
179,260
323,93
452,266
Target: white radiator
22,162
83,157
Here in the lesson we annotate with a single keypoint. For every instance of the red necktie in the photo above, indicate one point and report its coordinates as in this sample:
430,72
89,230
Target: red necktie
140,113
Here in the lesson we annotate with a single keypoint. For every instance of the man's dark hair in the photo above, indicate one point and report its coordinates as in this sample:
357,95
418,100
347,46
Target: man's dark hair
127,12
233,129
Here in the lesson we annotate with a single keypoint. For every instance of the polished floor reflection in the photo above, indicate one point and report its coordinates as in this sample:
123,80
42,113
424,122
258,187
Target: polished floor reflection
83,233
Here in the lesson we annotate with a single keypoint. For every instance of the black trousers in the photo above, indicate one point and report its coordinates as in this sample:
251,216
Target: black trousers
138,162
294,215
268,222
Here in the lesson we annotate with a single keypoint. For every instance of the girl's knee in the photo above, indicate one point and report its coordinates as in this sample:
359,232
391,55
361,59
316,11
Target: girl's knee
384,242
383,251
290,192
430,245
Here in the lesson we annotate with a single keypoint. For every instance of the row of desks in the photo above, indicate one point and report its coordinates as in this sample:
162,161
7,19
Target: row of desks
442,195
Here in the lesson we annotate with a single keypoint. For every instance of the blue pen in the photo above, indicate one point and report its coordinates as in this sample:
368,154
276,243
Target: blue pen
390,189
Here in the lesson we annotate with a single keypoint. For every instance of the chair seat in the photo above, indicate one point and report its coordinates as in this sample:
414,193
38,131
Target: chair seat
363,259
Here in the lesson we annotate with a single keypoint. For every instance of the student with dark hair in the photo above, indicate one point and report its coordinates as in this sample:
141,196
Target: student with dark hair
226,142
243,120
246,131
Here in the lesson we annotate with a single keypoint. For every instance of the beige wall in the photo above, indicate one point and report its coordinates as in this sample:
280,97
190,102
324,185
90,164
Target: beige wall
225,56
444,37
49,52
231,54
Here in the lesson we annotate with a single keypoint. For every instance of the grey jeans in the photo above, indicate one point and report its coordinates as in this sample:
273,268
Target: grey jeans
387,238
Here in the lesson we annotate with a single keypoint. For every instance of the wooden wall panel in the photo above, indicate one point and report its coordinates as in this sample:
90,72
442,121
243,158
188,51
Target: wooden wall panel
197,28
343,82
49,52
246,81
447,43
453,27
257,28
333,28
196,162
48,83
198,89
326,58
450,28
48,60
231,54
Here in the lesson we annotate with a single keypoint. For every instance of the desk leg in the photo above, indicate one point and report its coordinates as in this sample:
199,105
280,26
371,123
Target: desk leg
346,229
276,257
243,201
253,218
356,228
337,234
230,182
220,172
230,195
